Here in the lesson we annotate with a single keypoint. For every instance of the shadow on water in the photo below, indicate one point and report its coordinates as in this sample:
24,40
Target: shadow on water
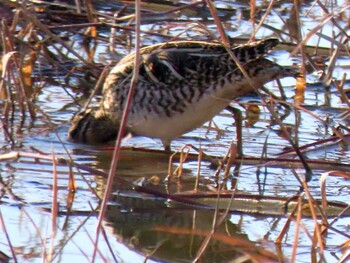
176,235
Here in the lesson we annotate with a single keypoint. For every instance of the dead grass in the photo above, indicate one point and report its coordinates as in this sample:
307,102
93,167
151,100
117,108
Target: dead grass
37,37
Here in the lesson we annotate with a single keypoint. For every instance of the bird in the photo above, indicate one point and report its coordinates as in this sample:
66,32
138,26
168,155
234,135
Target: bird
181,85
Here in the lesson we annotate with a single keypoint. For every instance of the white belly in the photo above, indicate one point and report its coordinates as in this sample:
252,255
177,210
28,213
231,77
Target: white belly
168,128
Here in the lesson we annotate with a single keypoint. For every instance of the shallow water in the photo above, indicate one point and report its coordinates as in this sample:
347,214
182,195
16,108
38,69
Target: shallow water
139,225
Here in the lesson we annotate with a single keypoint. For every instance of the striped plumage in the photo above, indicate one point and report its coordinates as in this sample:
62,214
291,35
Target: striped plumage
181,85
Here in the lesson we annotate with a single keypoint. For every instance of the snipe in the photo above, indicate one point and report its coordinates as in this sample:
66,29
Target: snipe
181,86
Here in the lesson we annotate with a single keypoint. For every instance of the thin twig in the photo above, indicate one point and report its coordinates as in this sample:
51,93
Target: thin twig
117,150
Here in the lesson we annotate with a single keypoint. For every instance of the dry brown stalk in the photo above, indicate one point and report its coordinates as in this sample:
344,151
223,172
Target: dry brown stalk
267,12
297,229
11,69
317,240
13,63
54,209
186,155
4,230
254,253
30,16
121,129
200,156
285,228
184,151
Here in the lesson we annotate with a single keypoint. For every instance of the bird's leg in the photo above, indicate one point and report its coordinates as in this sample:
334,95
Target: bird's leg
237,115
166,146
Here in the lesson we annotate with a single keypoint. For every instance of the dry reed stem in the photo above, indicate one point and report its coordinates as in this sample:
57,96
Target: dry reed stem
308,171
324,8
297,230
54,209
331,65
329,225
33,19
37,156
340,88
69,238
345,257
69,162
217,220
4,230
116,152
199,163
237,115
215,224
111,249
267,12
236,243
184,156
317,231
231,156
18,82
232,149
324,20
285,228
221,164
200,152
72,186
97,87
184,152
324,196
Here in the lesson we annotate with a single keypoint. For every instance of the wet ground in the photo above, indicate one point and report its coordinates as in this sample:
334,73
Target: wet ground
147,218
